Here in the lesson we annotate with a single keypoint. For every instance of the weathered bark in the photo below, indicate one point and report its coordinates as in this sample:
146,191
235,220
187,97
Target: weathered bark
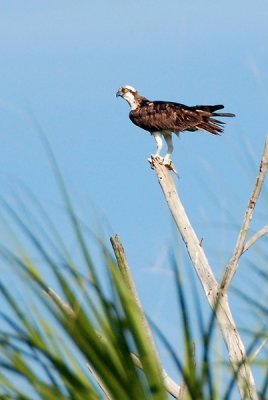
217,299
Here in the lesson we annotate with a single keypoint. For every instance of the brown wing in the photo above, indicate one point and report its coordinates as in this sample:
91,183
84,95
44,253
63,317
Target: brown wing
159,116
176,117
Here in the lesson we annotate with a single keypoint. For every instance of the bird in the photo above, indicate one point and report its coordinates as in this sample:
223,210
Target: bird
162,118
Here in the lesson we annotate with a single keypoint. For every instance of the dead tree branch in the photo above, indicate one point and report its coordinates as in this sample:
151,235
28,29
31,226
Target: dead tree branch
239,247
255,237
218,301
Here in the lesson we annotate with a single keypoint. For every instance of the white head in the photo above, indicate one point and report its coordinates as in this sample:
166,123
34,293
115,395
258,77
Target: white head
130,94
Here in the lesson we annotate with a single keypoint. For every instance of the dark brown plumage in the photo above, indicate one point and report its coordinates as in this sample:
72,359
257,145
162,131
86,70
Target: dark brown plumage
161,118
160,115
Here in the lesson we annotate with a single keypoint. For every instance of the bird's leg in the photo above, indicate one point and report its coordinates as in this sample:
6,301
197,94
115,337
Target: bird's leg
167,159
168,139
159,144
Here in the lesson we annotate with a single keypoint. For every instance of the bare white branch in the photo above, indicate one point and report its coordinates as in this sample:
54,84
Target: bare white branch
233,263
217,300
255,237
183,391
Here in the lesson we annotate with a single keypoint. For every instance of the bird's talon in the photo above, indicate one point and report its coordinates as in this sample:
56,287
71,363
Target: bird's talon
169,165
167,161
156,157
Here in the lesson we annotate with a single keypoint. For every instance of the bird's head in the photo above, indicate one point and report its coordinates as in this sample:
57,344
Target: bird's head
130,94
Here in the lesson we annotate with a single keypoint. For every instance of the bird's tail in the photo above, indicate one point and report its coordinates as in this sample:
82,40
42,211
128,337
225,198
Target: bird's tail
212,126
209,123
223,115
212,109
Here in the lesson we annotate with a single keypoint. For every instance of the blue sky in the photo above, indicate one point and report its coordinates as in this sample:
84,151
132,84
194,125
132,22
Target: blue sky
63,61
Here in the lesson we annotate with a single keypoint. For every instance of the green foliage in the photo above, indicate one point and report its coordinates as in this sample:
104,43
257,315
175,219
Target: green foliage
78,341
49,344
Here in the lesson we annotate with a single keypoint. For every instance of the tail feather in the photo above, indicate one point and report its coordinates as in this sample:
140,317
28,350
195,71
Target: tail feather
215,129
215,121
209,109
212,125
212,109
207,121
223,114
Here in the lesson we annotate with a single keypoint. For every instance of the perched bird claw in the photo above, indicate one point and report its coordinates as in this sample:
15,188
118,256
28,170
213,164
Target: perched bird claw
160,159
169,165
155,157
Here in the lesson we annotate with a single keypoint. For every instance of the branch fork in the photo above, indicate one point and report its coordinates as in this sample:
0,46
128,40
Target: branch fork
241,246
216,293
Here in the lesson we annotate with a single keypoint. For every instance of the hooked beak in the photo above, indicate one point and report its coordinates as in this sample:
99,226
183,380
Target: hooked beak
119,93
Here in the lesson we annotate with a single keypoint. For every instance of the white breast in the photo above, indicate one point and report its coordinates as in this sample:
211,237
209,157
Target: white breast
129,97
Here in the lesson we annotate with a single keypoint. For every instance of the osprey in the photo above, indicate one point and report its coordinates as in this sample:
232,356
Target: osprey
161,118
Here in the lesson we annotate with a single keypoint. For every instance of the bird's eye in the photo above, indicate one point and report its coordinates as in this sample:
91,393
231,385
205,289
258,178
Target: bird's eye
125,90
